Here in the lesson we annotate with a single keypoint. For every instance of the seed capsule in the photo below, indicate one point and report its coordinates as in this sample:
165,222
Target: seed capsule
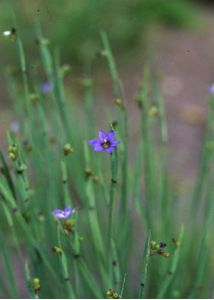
68,149
36,285
57,250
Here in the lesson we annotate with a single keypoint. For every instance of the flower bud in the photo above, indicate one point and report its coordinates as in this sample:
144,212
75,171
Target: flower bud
68,226
68,149
33,97
153,111
88,173
152,245
110,292
57,250
21,168
36,285
12,156
119,103
115,296
13,149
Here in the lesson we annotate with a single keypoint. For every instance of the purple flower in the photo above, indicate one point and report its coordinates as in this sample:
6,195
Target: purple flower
14,126
106,142
211,89
63,214
46,87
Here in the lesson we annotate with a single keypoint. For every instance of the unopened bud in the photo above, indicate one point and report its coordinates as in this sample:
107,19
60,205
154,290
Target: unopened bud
12,156
33,97
67,149
88,173
21,168
36,285
153,111
119,103
57,250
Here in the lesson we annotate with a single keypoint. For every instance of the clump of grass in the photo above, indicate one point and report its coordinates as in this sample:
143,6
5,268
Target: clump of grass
125,239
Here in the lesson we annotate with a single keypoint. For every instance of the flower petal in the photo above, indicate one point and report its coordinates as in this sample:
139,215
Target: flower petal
67,214
98,147
94,142
73,211
59,213
103,135
111,135
115,143
67,209
46,87
110,149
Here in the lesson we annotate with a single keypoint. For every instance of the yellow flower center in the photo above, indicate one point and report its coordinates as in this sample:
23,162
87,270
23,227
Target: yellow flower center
105,144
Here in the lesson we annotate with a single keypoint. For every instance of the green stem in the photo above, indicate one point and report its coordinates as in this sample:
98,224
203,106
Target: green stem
8,269
144,266
119,93
69,287
114,165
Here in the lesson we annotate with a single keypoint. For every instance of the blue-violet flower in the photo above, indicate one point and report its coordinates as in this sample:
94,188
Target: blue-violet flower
211,89
46,87
63,214
106,142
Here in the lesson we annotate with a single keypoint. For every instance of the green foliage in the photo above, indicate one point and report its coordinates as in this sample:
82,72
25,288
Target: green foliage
111,245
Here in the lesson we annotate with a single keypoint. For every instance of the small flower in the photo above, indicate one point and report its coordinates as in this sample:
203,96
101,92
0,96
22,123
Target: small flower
14,126
106,142
63,214
46,87
211,89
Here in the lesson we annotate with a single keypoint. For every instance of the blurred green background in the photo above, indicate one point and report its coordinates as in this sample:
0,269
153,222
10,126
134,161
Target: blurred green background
74,26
